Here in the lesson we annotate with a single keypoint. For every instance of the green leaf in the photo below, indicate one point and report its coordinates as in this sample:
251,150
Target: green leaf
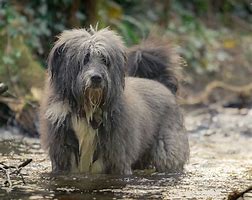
7,60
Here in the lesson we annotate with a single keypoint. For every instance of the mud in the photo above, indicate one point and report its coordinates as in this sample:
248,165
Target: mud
221,162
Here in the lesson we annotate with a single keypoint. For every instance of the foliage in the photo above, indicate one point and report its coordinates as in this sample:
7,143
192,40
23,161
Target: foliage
214,38
17,66
200,27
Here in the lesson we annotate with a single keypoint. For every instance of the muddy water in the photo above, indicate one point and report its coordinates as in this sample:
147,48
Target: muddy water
221,162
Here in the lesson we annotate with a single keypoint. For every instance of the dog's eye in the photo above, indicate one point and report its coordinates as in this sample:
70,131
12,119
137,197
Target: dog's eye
86,59
105,61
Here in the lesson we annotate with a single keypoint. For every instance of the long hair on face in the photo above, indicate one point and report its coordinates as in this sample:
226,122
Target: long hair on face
78,55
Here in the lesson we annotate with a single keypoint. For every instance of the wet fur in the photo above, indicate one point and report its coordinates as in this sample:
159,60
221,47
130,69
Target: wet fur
128,123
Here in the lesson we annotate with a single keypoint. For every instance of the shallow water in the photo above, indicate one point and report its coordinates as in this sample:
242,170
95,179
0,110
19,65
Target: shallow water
40,184
221,162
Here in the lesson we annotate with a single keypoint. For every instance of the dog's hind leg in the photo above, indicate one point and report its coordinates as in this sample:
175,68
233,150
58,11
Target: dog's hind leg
170,150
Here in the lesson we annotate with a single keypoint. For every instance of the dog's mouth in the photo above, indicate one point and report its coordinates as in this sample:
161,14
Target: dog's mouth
93,96
93,101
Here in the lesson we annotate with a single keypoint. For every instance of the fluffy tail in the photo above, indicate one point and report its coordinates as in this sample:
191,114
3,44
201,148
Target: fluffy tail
157,61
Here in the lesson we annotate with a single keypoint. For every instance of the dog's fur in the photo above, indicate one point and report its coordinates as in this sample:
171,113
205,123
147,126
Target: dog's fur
95,120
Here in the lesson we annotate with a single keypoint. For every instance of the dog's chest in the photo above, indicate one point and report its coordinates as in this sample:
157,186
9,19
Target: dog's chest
87,138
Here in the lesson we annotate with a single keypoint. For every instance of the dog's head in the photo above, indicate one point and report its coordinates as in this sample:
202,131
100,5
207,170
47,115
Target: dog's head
86,67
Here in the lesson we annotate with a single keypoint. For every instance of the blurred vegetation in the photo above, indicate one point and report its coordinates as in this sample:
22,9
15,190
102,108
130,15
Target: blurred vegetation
213,37
212,34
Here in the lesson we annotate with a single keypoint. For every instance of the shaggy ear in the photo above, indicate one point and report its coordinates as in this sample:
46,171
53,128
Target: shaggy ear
56,59
120,63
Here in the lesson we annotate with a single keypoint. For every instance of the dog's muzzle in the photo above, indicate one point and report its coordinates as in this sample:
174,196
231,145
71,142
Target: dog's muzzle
96,81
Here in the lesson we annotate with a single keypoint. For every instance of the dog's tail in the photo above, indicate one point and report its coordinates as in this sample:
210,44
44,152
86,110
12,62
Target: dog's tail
157,61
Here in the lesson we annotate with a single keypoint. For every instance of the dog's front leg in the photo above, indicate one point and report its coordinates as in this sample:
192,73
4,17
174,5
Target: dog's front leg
118,162
63,147
123,168
127,171
118,168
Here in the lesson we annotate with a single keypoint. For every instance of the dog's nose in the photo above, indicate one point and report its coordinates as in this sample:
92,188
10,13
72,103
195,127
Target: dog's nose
96,78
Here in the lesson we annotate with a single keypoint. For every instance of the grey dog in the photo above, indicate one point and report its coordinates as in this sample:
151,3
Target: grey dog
93,119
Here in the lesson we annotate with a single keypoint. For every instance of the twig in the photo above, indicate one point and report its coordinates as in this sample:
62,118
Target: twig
204,96
235,195
12,170
8,180
24,163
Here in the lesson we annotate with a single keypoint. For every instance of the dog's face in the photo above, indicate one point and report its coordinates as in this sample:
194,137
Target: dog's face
86,68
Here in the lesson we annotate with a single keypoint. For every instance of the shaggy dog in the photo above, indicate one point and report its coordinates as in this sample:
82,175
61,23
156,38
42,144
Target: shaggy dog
93,119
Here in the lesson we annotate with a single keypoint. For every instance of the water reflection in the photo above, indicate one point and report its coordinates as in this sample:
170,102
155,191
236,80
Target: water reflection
109,186
40,184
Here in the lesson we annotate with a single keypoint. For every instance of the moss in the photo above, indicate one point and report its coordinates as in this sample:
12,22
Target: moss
18,68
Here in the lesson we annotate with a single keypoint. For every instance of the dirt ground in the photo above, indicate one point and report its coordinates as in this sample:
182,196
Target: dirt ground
220,163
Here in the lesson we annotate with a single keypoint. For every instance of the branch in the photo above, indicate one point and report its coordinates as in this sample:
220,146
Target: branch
9,171
235,195
204,96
